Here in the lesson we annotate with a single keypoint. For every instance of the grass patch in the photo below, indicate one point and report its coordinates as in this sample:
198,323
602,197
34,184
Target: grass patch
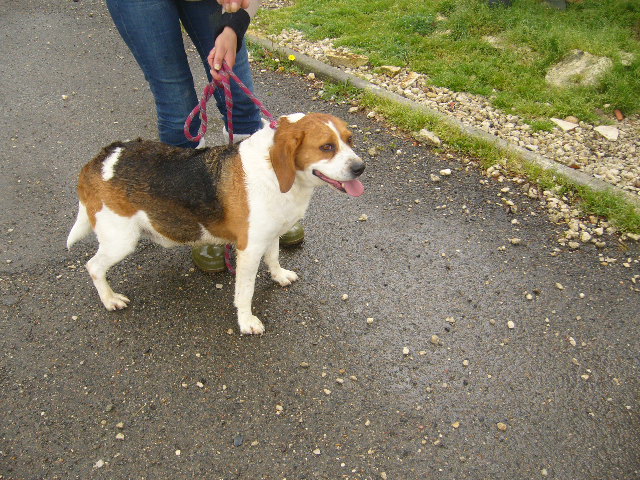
340,93
446,40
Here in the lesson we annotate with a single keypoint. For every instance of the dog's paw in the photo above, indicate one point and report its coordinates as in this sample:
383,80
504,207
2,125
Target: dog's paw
251,325
115,301
284,277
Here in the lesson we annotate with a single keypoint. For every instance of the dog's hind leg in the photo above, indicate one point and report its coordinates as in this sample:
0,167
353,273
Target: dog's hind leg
247,262
118,237
271,258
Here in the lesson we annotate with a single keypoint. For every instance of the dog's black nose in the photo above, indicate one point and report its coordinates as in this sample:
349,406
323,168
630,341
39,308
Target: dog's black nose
357,168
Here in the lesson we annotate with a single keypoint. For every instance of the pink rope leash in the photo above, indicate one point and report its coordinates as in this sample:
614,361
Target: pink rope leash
227,74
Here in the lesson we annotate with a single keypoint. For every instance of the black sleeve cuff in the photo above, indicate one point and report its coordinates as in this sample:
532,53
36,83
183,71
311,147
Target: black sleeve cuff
238,21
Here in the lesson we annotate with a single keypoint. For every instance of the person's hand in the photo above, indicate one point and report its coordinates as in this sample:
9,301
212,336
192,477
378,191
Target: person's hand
223,50
232,6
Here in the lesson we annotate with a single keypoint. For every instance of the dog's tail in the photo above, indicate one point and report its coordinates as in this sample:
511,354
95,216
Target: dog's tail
81,228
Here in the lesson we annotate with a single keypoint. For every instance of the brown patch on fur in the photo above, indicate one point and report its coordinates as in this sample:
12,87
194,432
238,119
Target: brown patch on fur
297,145
283,153
233,191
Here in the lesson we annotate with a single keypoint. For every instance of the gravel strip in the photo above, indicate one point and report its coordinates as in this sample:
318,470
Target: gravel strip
616,162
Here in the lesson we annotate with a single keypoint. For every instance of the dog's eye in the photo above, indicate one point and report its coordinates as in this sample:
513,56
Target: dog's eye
350,141
328,147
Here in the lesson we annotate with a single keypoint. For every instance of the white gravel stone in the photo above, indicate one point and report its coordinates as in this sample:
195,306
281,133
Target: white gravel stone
564,125
608,132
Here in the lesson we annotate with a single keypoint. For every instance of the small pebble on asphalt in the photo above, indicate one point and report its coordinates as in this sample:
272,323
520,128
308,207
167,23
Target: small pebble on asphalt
405,351
510,324
501,426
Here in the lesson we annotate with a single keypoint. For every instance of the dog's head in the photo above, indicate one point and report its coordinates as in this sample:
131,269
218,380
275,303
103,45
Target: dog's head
317,146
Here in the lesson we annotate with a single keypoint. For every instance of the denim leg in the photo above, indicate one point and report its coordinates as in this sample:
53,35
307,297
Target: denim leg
200,20
151,30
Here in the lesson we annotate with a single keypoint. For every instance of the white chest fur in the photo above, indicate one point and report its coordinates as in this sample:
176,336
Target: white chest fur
271,212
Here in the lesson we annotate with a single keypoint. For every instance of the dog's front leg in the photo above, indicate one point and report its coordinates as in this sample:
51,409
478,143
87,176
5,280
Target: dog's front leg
282,276
247,263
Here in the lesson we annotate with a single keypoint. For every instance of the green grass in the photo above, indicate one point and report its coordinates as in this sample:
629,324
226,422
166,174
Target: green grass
444,40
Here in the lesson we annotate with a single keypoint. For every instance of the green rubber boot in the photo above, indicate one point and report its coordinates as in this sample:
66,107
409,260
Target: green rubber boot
209,258
294,236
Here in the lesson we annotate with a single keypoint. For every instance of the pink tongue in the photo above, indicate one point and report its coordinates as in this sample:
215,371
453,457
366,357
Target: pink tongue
354,187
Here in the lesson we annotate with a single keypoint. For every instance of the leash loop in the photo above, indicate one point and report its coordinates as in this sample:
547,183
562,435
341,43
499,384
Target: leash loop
227,74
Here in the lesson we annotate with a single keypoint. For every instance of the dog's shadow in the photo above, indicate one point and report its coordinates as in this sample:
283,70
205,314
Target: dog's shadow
164,286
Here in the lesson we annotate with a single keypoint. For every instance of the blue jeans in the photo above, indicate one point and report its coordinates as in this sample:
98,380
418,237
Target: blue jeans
151,30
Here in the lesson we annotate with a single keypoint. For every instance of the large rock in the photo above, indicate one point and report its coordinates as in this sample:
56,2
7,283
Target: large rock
608,132
564,125
578,69
390,70
347,60
427,136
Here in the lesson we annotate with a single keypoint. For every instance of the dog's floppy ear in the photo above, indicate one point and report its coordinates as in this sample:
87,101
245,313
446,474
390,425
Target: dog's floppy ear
283,153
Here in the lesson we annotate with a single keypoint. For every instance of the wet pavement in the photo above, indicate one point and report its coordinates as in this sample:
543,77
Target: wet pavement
168,388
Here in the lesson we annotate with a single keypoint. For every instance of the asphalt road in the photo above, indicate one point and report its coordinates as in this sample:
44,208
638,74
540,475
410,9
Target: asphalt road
323,394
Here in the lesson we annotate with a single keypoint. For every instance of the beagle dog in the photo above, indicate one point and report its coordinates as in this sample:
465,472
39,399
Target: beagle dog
247,194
